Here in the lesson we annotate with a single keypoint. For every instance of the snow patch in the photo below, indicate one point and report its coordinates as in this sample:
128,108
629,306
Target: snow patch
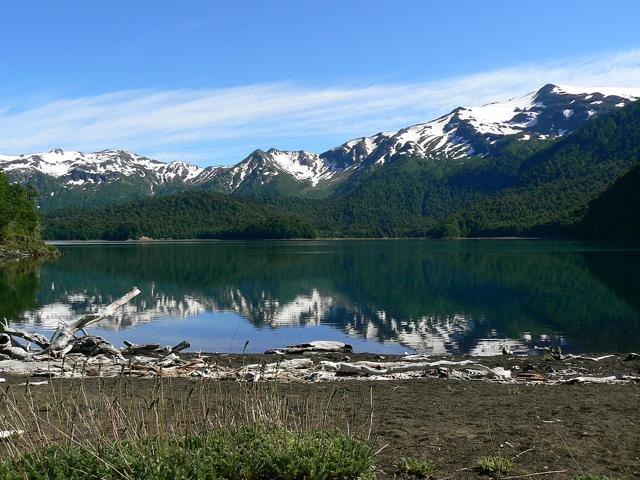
629,93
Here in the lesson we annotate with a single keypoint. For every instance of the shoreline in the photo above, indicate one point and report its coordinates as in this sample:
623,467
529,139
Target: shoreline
330,239
572,428
335,366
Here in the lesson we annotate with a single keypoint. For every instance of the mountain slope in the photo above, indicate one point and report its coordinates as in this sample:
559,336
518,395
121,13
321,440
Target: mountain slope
182,215
553,187
616,212
64,179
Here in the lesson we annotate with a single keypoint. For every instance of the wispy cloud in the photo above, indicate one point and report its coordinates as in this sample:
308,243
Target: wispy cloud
214,125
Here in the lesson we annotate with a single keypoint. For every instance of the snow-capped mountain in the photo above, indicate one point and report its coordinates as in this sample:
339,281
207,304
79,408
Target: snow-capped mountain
79,168
550,112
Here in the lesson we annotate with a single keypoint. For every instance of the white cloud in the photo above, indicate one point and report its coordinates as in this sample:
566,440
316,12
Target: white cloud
201,125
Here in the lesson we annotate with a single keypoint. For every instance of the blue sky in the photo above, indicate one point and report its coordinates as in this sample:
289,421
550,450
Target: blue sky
208,82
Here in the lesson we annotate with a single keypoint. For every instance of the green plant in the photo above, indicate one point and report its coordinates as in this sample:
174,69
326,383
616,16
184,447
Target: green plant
415,467
230,452
494,465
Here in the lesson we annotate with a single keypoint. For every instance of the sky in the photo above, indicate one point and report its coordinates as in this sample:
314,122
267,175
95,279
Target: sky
209,82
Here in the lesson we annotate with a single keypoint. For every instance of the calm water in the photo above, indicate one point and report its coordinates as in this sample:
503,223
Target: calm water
383,296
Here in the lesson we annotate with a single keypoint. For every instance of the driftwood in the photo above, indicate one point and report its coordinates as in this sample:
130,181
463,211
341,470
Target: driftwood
92,345
591,359
317,346
38,339
133,349
611,379
66,333
68,355
8,348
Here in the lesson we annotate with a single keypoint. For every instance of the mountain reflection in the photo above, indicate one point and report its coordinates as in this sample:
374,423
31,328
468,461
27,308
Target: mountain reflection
434,296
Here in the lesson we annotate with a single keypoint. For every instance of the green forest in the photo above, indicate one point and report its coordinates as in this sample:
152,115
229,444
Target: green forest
616,213
179,216
542,188
19,221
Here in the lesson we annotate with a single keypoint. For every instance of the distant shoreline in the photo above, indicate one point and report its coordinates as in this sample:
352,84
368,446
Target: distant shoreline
267,240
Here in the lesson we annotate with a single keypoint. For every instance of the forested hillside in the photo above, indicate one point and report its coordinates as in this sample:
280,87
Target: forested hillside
552,189
19,221
183,215
616,213
537,187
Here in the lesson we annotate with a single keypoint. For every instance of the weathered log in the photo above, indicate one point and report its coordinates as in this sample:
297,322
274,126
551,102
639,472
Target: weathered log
180,346
92,345
611,379
317,346
33,337
13,352
65,333
134,349
591,359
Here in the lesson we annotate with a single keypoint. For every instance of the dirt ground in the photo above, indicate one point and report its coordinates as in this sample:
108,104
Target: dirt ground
579,428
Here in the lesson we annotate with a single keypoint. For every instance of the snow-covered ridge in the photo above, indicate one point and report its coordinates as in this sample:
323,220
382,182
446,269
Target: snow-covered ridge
629,93
549,112
58,163
552,111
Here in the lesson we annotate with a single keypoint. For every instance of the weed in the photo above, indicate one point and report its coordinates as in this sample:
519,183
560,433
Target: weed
494,465
415,467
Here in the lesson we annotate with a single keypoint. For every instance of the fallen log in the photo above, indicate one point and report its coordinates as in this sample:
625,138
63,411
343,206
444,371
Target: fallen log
179,347
92,345
134,349
33,337
317,346
13,352
610,379
65,333
591,359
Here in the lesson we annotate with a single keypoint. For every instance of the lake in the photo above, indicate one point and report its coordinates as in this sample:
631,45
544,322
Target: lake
388,296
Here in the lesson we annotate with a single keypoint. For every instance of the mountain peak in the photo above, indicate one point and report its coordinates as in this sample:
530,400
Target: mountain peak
628,93
466,132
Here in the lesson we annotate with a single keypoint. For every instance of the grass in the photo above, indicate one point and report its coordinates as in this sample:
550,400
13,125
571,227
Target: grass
245,453
99,428
415,467
494,465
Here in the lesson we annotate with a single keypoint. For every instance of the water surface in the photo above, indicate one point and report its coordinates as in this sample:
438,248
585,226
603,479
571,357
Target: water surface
379,295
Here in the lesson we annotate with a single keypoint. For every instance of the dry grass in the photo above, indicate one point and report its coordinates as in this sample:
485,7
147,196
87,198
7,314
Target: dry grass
82,413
